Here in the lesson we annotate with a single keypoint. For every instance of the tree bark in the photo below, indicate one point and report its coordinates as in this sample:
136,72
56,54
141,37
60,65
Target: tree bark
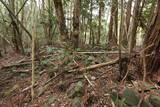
61,20
76,22
120,37
90,22
100,21
50,25
134,26
17,35
127,23
152,43
115,17
113,30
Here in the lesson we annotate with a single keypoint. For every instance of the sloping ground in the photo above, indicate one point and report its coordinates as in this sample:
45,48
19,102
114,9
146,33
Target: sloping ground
57,87
9,59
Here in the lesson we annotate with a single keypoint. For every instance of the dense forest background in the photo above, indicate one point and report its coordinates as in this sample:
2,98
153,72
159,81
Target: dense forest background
111,45
89,21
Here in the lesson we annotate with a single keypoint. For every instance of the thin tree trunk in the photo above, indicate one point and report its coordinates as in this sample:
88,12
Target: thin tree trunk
85,32
115,17
99,21
33,64
120,38
90,21
70,15
50,25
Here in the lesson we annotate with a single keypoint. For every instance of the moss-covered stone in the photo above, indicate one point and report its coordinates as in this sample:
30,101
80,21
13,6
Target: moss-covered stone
154,100
76,90
132,98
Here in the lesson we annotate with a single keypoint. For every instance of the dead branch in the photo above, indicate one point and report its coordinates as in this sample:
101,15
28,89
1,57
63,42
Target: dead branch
96,66
53,78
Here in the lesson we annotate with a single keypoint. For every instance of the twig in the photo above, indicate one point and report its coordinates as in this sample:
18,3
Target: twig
75,62
29,87
144,62
148,47
89,81
109,52
52,78
126,73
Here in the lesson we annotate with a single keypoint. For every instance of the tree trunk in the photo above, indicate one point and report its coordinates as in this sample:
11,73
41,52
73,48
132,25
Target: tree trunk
85,31
113,30
76,22
128,14
90,22
99,21
17,35
61,20
152,43
50,25
134,26
115,17
127,23
120,38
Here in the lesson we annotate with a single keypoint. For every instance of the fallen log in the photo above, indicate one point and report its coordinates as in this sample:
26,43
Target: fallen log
16,65
96,66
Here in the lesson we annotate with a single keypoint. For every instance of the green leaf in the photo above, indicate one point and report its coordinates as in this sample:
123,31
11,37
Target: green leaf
113,98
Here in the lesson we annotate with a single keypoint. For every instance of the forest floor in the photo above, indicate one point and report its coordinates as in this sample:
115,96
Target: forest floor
61,83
